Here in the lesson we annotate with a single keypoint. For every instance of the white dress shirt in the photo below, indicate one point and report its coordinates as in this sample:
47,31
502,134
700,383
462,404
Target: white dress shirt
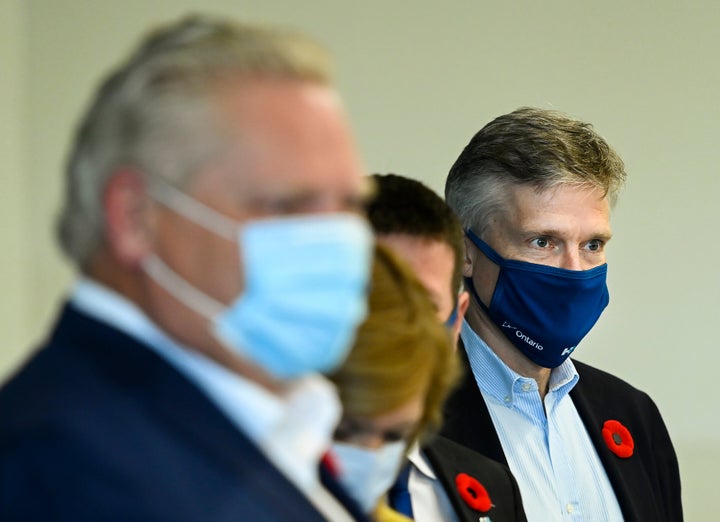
429,500
546,444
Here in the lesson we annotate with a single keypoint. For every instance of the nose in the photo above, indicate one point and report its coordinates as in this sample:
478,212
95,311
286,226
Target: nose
367,439
571,260
374,441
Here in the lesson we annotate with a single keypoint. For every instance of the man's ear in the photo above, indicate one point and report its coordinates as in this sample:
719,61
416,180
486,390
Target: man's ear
462,306
127,211
468,258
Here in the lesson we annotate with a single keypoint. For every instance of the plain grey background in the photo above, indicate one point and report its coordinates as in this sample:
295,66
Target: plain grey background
419,78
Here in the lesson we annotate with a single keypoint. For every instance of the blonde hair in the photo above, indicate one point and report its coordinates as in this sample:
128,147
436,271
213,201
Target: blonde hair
401,350
155,112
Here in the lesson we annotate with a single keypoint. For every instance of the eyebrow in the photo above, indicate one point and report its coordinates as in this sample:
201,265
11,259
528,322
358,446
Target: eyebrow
555,232
360,427
402,429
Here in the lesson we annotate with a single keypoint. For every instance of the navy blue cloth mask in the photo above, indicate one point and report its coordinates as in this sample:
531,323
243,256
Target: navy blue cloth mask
543,310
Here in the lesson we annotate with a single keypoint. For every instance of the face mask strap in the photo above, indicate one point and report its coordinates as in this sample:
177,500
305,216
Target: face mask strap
181,289
484,248
470,286
491,255
189,207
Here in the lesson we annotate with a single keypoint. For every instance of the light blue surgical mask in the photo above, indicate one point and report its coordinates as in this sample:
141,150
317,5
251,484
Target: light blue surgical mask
367,474
305,283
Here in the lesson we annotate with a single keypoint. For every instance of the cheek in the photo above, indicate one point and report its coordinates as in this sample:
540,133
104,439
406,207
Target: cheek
444,310
484,277
225,280
206,261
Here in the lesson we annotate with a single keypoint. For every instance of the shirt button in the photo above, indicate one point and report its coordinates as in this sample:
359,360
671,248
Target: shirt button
526,386
570,508
507,399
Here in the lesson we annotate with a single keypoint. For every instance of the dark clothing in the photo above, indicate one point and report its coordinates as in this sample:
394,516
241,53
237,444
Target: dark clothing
647,485
96,426
448,459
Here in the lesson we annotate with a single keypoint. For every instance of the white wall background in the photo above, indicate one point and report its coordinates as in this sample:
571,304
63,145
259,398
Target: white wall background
420,77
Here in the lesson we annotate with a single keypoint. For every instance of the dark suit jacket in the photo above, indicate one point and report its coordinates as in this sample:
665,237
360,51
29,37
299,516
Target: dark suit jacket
448,459
98,427
647,484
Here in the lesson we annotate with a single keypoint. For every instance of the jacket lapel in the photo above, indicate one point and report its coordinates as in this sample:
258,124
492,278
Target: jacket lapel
448,459
629,477
467,420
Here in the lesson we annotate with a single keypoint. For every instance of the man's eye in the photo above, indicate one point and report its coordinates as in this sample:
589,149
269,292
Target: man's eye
541,242
394,436
355,204
595,245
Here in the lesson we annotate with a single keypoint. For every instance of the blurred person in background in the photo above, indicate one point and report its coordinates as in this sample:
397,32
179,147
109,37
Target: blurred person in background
413,221
391,385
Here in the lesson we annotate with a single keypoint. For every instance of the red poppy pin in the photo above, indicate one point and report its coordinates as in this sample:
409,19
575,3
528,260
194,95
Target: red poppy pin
329,462
618,439
473,493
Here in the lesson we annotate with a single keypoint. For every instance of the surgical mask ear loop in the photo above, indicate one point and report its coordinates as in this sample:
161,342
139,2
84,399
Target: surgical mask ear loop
180,289
178,201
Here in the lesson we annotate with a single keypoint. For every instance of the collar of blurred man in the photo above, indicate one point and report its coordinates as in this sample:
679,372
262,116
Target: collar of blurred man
278,424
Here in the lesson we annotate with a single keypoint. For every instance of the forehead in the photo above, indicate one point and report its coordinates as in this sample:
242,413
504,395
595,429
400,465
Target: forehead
403,416
563,207
429,258
284,136
433,262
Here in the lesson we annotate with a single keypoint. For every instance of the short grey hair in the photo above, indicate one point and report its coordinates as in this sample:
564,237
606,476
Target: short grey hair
533,147
154,113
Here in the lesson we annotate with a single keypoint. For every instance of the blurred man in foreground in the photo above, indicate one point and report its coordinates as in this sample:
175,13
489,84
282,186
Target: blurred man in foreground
211,208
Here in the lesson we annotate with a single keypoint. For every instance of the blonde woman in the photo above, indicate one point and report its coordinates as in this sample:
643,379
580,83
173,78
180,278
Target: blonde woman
392,384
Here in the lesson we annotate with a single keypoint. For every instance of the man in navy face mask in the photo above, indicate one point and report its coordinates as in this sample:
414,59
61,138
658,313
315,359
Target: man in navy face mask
533,190
213,210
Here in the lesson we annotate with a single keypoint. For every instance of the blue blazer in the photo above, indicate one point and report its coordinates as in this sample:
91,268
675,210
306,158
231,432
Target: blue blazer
647,485
96,426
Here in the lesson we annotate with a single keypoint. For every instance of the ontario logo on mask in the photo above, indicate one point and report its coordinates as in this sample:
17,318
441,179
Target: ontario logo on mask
520,335
534,344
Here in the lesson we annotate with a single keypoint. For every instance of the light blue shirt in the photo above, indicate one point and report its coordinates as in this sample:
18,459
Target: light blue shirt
546,445
293,429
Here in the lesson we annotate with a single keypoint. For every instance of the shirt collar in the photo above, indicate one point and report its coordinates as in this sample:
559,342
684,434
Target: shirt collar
417,458
499,381
303,418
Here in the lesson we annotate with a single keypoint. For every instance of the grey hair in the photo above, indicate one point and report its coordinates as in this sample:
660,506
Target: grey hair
155,113
533,147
